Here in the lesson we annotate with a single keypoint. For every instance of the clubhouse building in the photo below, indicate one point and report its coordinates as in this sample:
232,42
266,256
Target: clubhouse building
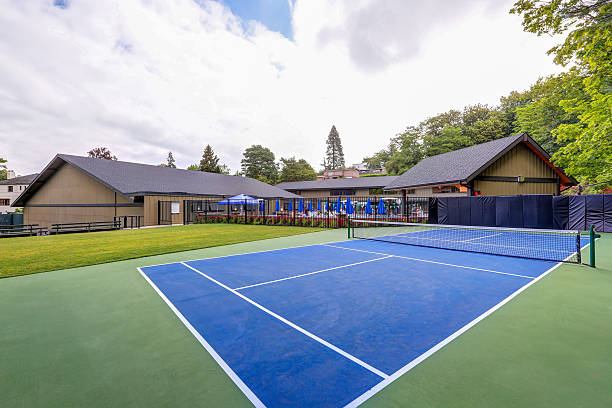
72,189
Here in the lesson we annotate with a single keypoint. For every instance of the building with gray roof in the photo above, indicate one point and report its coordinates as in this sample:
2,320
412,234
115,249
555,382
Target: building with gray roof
83,189
508,166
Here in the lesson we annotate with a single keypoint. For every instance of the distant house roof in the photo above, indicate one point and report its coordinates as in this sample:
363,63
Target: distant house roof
132,179
463,165
20,180
355,182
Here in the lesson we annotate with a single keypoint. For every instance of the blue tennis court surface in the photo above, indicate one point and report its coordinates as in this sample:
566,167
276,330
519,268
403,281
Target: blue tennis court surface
331,324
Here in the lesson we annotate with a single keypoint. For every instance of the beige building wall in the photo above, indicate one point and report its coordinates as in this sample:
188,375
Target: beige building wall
70,196
520,161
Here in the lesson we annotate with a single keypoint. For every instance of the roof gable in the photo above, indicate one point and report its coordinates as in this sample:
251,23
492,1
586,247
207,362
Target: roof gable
464,164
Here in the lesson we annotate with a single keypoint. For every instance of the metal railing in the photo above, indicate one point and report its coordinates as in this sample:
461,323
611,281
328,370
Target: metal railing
329,212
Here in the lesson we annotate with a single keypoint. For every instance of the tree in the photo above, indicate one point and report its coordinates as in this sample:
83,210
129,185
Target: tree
224,169
543,113
334,157
587,145
296,170
210,161
450,138
258,163
101,153
169,161
194,167
2,169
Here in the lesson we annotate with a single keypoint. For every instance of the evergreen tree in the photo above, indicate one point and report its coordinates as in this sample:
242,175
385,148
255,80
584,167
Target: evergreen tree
210,161
334,158
194,167
169,161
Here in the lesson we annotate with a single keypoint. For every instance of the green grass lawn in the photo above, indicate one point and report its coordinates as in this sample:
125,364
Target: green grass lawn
100,336
25,255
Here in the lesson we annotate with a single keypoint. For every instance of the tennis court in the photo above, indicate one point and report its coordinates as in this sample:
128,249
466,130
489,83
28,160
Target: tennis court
332,324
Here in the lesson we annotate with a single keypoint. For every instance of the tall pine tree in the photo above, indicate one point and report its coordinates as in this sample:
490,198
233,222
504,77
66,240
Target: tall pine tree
334,157
210,161
169,161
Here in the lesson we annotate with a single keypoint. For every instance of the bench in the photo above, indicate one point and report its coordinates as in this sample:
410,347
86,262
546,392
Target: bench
21,230
85,226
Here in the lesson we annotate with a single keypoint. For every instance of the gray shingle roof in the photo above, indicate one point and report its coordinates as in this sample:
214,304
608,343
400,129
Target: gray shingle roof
459,165
130,179
355,182
21,179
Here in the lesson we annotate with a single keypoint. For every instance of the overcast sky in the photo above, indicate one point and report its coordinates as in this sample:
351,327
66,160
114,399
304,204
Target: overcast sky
143,77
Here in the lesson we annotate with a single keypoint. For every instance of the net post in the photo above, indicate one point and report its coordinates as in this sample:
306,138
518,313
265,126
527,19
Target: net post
592,246
348,223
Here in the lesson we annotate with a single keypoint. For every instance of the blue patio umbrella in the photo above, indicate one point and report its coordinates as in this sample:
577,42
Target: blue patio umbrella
301,205
327,206
239,199
338,205
262,206
310,206
381,207
290,205
318,205
277,206
368,209
349,206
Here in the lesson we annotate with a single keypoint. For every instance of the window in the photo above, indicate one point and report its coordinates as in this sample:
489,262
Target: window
10,189
411,191
376,191
5,201
342,192
176,208
445,189
138,199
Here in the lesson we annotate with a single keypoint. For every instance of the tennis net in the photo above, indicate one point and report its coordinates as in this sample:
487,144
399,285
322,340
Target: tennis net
549,245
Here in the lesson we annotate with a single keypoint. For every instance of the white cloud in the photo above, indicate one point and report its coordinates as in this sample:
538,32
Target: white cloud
145,77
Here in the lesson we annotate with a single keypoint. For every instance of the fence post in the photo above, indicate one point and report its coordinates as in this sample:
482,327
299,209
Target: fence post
375,208
228,210
348,223
293,205
404,205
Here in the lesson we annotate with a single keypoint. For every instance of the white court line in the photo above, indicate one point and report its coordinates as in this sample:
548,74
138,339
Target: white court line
474,239
293,325
312,273
241,385
365,396
434,262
